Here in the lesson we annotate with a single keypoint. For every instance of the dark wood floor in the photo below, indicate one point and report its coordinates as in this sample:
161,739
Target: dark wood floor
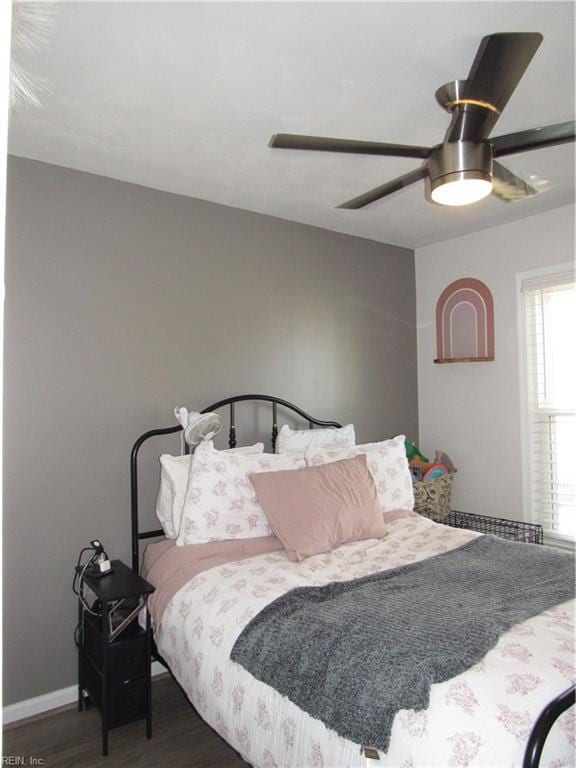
71,738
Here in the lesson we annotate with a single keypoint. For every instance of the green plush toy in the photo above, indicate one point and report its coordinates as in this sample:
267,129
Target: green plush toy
413,452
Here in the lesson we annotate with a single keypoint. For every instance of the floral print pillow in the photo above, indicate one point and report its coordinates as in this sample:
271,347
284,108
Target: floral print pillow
386,461
174,473
220,501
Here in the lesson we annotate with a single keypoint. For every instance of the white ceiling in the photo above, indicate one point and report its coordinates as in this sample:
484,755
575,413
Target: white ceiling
184,97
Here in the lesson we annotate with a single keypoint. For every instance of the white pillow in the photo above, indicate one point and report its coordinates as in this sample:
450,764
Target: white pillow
173,478
174,471
298,440
220,501
386,461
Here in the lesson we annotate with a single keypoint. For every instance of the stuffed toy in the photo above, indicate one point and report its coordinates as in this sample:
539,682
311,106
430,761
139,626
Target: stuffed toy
413,452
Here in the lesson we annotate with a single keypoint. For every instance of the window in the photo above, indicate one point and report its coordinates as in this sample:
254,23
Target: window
550,327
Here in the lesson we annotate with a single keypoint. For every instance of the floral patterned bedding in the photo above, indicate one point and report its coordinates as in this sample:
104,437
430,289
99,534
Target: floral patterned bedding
480,718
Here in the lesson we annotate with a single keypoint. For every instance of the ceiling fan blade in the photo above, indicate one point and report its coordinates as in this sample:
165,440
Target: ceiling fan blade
507,186
535,138
385,189
499,65
324,144
500,62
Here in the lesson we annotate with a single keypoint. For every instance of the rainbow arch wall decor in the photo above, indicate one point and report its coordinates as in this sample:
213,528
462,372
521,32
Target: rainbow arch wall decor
465,323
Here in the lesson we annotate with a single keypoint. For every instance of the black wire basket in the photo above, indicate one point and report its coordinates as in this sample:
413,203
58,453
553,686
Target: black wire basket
529,533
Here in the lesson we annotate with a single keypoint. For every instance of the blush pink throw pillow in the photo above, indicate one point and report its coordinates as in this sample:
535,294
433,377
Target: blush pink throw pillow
317,509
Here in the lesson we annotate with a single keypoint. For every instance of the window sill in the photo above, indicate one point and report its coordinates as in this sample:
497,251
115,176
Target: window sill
566,543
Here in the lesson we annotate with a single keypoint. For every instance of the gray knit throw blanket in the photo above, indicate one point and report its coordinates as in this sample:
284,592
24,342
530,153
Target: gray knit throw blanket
354,653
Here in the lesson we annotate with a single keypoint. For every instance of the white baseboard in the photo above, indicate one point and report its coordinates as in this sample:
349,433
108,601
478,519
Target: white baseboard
39,704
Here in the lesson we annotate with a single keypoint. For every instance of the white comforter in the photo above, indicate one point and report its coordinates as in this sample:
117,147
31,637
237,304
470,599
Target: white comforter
480,718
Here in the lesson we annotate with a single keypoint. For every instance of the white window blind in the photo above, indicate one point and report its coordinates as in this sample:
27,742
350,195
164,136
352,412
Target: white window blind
550,313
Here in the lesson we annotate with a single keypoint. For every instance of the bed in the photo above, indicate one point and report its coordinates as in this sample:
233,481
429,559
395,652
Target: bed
496,713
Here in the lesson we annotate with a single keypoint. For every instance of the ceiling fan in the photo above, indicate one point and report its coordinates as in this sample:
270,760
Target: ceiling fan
462,169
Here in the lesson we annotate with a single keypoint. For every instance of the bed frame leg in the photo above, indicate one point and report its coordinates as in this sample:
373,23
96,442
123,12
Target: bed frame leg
542,726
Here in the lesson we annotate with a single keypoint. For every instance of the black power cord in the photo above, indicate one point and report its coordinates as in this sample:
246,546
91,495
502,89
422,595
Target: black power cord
78,581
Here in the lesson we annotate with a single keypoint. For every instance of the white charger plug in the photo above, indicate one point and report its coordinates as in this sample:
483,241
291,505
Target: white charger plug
104,566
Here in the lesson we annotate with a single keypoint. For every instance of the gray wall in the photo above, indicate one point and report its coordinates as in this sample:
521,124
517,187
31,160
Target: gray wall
122,302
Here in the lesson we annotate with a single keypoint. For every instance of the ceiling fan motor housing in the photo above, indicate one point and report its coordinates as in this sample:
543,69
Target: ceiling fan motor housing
460,160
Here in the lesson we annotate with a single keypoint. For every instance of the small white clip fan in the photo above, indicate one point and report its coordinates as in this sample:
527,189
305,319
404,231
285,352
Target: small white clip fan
198,426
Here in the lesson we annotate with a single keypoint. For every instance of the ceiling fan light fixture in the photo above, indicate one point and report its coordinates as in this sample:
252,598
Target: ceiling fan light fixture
460,172
462,188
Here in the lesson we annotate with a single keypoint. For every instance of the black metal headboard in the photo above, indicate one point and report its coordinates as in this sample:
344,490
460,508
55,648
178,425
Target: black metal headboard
137,535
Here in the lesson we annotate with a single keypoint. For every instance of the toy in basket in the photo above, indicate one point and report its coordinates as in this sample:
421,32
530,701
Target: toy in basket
432,483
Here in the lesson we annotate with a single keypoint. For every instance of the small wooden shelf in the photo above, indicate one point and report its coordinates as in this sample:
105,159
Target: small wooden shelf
464,359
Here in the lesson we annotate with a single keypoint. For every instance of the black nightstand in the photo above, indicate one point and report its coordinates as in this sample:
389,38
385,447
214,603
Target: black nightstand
114,651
